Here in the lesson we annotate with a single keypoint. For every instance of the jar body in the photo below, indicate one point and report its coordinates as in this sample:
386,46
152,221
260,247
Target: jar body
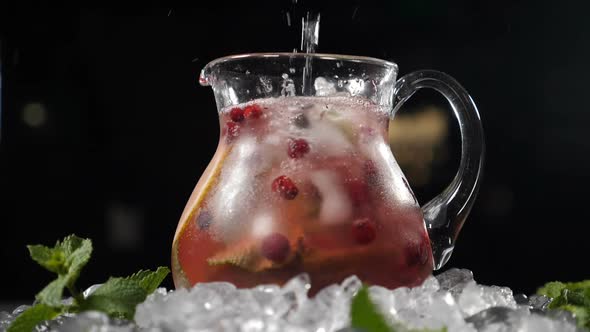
302,184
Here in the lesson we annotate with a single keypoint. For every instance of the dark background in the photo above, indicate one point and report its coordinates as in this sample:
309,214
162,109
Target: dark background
105,131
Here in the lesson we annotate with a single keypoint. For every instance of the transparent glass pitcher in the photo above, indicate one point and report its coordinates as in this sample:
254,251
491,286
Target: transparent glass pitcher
303,179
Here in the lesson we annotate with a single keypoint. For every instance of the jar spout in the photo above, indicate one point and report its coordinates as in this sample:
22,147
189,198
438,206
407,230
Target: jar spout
204,78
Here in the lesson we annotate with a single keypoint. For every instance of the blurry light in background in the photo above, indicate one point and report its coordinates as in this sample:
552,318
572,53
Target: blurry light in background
124,227
34,115
418,140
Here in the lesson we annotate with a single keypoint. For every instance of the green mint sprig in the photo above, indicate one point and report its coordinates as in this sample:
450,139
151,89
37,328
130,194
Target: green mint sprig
117,297
365,316
570,296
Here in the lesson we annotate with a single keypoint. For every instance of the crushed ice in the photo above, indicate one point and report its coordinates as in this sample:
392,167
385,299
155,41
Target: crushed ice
452,299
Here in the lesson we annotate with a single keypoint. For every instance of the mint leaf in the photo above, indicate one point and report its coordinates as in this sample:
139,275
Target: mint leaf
52,294
150,280
582,314
551,289
364,314
66,258
77,252
26,321
570,296
117,297
50,258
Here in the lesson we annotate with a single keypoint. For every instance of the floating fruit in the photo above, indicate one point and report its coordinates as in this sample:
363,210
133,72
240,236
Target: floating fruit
297,148
253,111
236,114
245,254
275,247
285,187
363,231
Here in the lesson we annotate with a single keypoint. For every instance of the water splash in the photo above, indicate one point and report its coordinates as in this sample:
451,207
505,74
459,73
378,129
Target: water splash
310,36
310,32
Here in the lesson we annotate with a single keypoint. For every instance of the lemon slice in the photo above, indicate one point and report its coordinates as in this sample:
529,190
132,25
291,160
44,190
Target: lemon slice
245,254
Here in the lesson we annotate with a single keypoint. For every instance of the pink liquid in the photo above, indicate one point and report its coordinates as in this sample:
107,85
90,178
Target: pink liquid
302,184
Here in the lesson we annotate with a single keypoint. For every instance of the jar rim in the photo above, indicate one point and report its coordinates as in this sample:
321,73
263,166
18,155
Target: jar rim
319,56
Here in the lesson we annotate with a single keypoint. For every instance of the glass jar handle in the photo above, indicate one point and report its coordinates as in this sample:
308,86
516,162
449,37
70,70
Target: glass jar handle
445,214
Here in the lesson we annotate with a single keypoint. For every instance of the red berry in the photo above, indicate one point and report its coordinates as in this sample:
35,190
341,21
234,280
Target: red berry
417,253
253,111
298,148
233,130
275,247
236,114
363,231
285,187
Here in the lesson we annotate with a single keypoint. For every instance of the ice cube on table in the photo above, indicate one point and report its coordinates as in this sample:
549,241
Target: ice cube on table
502,319
93,321
496,316
539,302
454,280
220,306
20,309
521,299
475,298
562,316
425,306
5,320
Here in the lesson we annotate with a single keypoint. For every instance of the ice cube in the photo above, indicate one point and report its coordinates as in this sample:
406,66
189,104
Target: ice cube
298,286
508,320
90,290
19,310
539,302
496,315
334,304
236,192
263,225
93,321
265,296
329,138
454,280
521,299
323,87
350,286
475,298
537,323
336,206
5,320
425,306
562,316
